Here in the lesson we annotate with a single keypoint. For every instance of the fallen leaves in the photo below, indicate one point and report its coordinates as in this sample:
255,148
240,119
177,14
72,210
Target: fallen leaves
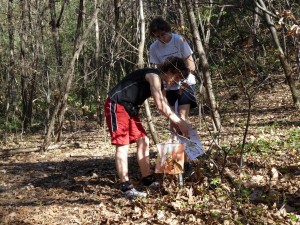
78,185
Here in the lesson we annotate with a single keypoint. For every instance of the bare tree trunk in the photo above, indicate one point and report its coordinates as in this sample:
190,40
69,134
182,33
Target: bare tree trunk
142,36
256,22
97,72
82,65
204,24
10,78
205,67
67,80
141,65
180,11
55,24
164,8
117,7
24,72
205,33
282,57
45,78
28,77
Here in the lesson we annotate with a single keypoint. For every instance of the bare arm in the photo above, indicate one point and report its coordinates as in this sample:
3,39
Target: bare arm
189,62
162,103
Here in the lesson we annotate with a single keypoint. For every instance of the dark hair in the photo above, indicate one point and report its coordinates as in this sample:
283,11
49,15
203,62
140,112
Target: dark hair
158,24
175,65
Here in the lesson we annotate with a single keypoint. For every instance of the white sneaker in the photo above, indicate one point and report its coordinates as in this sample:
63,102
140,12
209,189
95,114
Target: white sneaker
133,193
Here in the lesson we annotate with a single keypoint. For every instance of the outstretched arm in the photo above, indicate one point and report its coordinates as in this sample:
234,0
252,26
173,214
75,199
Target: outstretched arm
162,103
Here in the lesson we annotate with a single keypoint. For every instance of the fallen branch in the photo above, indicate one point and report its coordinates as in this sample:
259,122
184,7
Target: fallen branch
15,151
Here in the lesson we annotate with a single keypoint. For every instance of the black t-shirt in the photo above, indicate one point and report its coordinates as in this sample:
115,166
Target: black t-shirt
133,87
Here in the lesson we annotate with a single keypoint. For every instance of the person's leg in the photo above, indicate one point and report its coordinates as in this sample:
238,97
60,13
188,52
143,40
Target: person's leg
143,158
121,158
172,96
122,168
120,128
186,101
183,111
143,155
173,127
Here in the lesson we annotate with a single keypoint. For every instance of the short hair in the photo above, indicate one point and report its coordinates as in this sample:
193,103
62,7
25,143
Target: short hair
175,64
158,24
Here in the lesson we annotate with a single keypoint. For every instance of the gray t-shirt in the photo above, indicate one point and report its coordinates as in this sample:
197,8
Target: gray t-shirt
178,47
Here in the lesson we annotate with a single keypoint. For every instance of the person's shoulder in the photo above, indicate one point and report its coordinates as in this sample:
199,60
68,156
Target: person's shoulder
179,37
146,70
154,44
152,70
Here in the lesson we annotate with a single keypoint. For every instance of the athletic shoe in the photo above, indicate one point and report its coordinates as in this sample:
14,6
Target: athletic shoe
130,192
133,193
150,182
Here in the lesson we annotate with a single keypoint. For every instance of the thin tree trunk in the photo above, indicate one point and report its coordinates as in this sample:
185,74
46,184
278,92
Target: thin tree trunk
10,78
28,77
180,12
205,67
164,8
45,78
82,60
67,80
24,72
98,82
282,57
141,65
256,22
55,24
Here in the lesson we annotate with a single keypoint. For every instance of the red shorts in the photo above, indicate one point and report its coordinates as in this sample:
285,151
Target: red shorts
124,129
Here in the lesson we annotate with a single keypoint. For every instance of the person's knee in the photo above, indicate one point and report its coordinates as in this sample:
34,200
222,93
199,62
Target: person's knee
183,111
143,141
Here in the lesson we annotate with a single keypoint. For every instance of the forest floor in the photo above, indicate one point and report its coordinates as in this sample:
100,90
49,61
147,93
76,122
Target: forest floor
76,183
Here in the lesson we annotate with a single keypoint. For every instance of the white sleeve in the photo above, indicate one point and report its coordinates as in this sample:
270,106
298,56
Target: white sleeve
184,47
153,57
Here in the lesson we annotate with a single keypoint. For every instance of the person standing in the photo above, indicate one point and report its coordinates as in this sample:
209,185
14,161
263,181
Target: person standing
123,121
170,44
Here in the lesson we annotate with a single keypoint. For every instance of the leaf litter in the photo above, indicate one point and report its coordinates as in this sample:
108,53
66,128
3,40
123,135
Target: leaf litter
77,184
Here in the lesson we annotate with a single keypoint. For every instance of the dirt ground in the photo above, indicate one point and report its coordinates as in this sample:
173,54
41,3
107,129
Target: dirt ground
76,183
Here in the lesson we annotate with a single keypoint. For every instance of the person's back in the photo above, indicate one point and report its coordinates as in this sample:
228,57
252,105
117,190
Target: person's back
133,88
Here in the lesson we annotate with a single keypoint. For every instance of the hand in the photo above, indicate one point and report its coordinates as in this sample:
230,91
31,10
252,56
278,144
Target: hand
184,128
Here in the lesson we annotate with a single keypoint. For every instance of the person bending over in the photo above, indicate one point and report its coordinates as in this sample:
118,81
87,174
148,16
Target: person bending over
123,121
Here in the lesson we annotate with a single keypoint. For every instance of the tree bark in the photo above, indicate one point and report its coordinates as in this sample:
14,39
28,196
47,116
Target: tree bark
98,87
282,57
28,76
141,65
67,80
82,65
10,77
180,12
204,66
55,24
